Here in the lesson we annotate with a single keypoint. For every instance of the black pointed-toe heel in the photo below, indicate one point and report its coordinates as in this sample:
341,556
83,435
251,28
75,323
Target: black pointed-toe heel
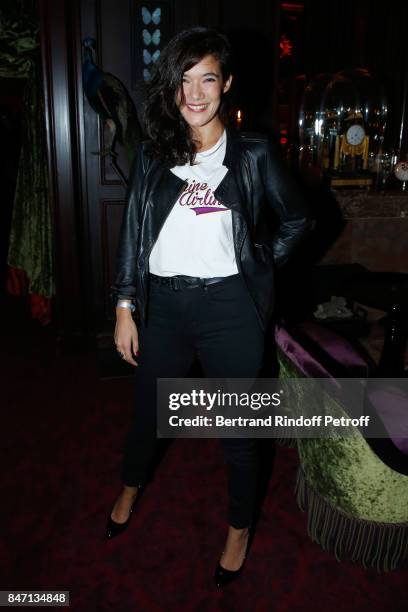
113,528
222,576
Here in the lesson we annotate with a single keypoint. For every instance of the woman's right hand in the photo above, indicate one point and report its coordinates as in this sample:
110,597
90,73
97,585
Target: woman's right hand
126,336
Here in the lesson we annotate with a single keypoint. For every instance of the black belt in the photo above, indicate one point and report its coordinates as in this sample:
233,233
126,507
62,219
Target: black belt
187,282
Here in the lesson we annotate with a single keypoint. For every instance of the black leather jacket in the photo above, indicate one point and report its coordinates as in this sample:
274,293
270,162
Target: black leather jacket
256,181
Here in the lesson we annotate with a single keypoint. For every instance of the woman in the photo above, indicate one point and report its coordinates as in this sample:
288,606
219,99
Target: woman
196,258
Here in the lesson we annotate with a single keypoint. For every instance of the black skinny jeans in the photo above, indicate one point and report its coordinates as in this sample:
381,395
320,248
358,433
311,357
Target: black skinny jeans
217,323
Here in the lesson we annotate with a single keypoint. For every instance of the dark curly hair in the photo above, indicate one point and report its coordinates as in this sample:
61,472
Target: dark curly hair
169,133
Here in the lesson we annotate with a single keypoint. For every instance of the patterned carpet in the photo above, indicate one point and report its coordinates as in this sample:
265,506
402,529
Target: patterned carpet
63,430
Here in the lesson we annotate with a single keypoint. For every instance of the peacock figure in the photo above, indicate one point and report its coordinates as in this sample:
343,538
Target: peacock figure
110,99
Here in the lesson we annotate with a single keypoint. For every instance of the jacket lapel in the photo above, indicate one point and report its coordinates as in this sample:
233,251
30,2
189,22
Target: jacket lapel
163,195
229,189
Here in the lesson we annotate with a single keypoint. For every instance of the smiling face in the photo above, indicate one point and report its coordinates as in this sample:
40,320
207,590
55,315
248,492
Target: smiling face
203,87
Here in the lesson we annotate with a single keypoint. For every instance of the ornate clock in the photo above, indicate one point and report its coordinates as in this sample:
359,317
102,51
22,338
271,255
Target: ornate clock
351,153
341,126
355,135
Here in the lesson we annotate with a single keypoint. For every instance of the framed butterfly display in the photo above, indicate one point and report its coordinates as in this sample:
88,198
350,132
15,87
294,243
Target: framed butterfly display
152,23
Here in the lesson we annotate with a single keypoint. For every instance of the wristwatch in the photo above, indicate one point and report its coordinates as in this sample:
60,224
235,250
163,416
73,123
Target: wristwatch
124,304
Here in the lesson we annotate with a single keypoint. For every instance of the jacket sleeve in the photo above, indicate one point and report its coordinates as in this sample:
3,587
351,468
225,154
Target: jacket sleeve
126,255
288,204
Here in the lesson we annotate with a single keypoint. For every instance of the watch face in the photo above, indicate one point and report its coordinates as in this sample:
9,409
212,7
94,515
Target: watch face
355,134
401,170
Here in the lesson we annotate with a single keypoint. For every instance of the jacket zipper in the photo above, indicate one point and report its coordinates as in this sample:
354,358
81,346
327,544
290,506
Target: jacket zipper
146,268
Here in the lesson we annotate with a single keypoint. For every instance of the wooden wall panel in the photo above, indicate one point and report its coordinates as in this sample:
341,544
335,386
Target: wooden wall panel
56,58
109,24
112,211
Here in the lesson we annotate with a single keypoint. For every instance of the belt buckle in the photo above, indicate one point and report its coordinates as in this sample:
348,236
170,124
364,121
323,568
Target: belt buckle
197,282
175,283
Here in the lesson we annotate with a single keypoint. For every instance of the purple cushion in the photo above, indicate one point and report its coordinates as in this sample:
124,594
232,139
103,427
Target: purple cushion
299,356
340,349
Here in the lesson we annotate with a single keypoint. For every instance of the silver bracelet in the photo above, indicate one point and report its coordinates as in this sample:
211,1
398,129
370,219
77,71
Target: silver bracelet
124,304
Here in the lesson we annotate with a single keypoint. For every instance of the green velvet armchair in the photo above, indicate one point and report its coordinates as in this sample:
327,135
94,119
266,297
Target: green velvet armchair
356,501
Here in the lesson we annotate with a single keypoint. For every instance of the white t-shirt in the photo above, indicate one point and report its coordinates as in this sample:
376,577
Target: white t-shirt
196,238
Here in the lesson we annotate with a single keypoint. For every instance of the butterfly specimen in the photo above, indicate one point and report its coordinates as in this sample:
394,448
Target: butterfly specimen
151,38
150,57
153,16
